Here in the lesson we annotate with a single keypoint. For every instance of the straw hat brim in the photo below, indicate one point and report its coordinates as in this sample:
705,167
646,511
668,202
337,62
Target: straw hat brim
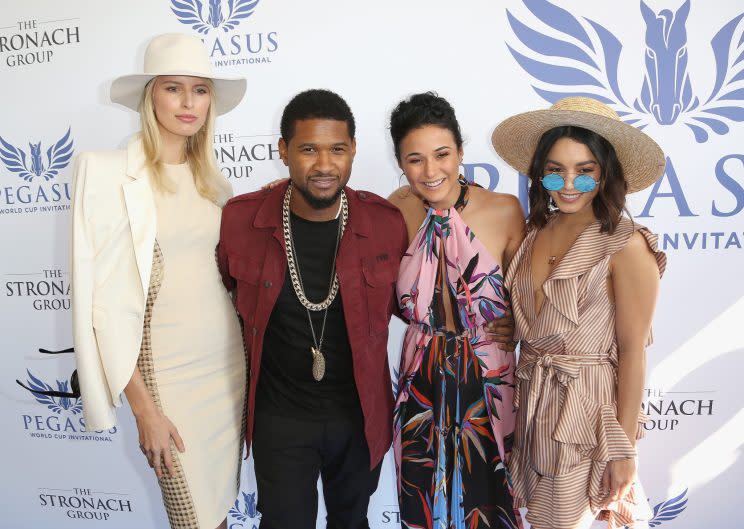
127,89
516,138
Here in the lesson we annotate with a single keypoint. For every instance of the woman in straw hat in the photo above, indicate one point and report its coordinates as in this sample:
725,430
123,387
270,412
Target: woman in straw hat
150,315
583,286
454,418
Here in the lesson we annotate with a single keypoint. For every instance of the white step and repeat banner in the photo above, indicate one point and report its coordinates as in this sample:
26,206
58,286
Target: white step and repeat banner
674,68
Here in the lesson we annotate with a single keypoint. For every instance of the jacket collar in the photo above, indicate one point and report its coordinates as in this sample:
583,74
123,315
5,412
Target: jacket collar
269,214
140,210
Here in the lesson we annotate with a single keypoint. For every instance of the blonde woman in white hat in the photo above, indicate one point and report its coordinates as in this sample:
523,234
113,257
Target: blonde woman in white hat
583,285
151,317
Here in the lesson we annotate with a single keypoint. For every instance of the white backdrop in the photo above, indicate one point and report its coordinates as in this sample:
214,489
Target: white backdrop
490,60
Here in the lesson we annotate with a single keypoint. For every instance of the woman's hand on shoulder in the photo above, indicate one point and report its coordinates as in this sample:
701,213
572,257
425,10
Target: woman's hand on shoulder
273,183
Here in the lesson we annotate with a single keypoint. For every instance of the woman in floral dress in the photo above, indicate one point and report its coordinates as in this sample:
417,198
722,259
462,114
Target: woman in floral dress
454,415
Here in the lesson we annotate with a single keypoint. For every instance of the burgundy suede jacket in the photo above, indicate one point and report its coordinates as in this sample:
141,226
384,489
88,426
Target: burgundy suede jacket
252,261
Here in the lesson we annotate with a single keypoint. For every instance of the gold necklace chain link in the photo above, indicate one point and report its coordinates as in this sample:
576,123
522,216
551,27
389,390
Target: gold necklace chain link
294,272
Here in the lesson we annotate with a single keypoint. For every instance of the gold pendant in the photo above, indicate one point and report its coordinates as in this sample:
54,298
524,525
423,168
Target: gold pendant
318,364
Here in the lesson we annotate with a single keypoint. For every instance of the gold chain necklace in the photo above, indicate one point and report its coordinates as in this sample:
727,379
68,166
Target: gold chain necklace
318,369
292,259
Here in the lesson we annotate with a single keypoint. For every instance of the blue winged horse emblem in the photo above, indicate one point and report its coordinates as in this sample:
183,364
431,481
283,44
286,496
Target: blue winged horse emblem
247,512
193,13
57,404
668,510
67,395
58,157
578,56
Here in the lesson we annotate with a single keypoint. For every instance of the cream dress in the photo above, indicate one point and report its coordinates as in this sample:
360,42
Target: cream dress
192,355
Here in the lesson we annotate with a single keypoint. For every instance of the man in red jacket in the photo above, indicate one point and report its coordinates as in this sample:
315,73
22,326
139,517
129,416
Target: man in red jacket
313,264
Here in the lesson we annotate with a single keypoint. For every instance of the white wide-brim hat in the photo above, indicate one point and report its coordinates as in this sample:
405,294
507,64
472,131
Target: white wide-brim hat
177,54
515,139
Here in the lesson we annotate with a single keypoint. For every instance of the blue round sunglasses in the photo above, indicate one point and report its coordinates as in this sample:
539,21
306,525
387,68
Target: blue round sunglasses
582,183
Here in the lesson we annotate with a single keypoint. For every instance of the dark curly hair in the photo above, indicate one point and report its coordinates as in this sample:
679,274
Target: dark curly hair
315,104
609,202
421,110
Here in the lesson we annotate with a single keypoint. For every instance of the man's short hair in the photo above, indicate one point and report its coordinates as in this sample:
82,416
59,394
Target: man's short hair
315,104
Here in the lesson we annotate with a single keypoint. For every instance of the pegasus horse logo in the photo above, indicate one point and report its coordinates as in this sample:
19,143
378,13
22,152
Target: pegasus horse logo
247,512
65,398
215,17
192,13
37,166
589,55
668,510
666,89
58,157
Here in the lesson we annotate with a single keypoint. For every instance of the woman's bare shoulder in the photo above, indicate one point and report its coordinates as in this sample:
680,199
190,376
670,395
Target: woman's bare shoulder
503,205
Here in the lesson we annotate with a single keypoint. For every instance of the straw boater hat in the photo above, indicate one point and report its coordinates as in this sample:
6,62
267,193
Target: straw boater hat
515,139
177,54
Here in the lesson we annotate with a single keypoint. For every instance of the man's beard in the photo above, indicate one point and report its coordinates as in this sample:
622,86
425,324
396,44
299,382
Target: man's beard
317,202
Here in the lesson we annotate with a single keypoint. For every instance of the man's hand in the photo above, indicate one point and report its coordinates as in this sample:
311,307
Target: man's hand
501,330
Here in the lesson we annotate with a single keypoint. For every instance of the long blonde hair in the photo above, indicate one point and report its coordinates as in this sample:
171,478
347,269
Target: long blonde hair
199,150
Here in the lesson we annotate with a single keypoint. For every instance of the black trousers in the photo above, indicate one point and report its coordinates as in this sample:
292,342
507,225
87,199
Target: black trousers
290,454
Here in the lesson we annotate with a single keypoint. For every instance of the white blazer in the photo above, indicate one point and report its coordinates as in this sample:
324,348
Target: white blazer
113,234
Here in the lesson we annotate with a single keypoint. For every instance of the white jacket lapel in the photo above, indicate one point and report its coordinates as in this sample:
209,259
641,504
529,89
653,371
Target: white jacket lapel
141,210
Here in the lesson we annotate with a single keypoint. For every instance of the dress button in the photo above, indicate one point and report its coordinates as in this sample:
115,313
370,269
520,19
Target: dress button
362,194
267,283
254,331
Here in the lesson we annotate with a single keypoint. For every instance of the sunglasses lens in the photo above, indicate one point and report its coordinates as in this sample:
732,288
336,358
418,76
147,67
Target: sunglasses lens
553,182
584,183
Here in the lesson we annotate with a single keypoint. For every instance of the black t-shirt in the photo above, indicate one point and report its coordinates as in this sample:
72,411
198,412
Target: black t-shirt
286,385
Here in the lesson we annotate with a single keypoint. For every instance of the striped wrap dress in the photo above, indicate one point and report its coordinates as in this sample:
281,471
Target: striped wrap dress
566,386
